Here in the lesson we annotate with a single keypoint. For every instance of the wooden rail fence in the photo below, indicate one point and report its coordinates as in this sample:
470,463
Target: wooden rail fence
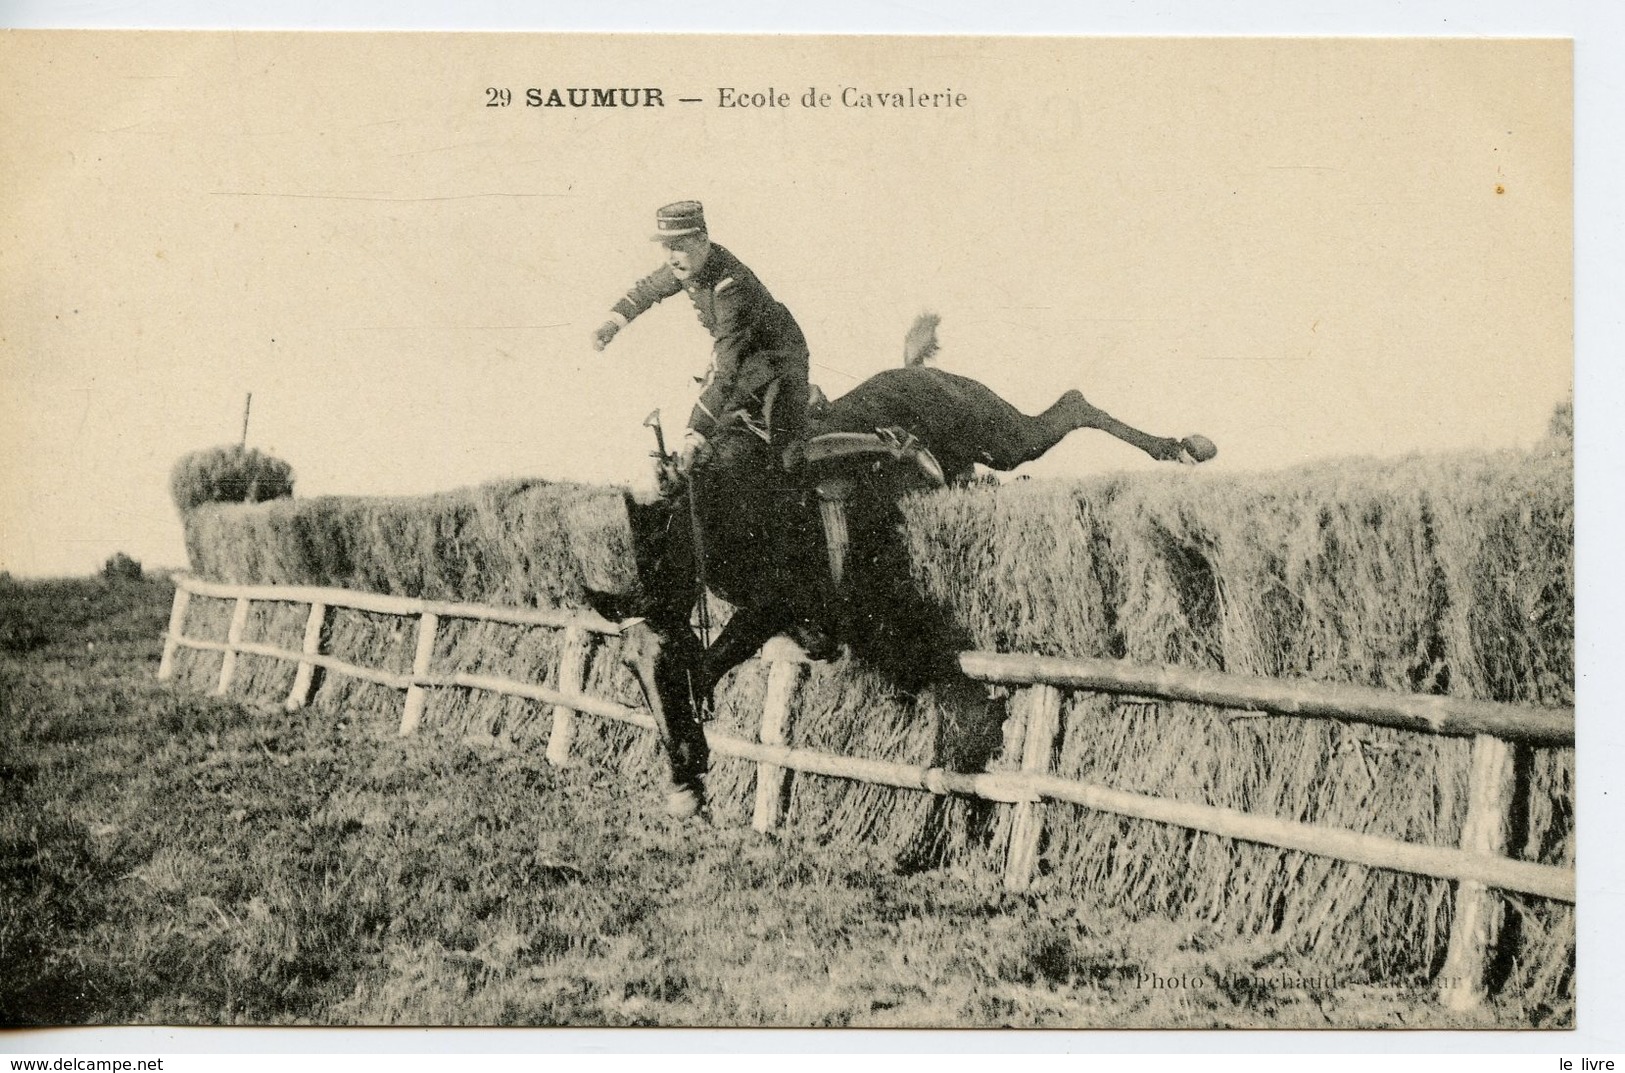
1501,733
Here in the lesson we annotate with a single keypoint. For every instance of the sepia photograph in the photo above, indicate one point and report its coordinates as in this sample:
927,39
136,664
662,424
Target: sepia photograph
572,530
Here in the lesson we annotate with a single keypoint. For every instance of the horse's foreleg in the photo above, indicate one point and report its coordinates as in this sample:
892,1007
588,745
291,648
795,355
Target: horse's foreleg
748,630
668,670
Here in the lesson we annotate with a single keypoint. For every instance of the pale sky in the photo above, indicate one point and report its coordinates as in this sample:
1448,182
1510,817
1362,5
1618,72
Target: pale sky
1302,249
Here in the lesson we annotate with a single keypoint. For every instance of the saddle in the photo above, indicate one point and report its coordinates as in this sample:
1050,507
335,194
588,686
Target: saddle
842,451
837,461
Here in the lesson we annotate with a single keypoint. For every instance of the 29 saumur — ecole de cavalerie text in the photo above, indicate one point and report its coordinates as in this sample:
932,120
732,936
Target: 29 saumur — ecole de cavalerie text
733,97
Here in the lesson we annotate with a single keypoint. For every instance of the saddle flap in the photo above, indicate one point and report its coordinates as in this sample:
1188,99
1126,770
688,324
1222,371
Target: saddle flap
838,452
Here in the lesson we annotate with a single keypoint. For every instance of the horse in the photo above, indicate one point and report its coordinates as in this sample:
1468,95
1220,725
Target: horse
743,528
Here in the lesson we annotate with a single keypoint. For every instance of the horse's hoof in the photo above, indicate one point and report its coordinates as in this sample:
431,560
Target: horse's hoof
1200,448
684,803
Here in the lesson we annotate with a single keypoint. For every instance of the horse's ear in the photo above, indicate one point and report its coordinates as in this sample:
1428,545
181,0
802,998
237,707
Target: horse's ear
649,522
920,344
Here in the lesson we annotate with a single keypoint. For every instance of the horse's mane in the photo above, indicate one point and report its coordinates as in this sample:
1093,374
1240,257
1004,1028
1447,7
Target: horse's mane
920,344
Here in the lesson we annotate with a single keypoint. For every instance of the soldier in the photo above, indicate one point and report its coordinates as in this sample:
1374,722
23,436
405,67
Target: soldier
746,438
757,383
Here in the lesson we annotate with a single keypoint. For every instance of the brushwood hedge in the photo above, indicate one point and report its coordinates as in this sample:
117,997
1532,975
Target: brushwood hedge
1440,574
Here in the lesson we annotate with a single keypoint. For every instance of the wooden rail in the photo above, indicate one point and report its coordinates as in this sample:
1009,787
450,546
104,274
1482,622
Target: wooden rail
1478,865
1275,696
382,604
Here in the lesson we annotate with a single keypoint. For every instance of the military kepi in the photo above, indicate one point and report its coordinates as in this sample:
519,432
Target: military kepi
678,219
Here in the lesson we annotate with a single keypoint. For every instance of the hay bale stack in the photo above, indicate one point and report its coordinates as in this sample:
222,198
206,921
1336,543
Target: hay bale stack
1449,575
1444,574
519,543
524,543
228,474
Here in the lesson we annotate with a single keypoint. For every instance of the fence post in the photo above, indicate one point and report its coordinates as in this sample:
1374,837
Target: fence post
305,676
785,661
416,697
177,627
234,637
1043,719
573,663
1476,923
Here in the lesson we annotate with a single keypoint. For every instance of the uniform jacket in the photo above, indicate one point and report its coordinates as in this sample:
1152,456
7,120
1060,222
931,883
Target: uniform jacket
759,359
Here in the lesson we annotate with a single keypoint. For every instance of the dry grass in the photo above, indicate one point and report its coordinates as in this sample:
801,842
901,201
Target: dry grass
167,857
228,474
522,543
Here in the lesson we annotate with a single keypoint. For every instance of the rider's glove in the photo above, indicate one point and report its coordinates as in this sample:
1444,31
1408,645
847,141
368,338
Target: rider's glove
668,478
606,331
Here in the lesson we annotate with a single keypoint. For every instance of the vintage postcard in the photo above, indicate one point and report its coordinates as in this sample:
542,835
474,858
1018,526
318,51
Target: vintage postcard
1107,559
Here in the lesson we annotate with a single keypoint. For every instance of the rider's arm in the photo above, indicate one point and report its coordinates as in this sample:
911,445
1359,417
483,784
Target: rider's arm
655,287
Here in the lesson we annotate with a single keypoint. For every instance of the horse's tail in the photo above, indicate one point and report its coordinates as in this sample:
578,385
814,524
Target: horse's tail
920,344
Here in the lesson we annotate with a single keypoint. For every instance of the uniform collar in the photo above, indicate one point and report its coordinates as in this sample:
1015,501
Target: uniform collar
715,267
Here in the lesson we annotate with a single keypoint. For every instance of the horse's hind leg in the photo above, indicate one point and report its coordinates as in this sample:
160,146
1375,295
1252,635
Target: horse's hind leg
1073,411
1002,437
1005,437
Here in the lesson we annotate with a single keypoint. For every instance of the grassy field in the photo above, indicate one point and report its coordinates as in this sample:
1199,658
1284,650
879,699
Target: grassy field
167,857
